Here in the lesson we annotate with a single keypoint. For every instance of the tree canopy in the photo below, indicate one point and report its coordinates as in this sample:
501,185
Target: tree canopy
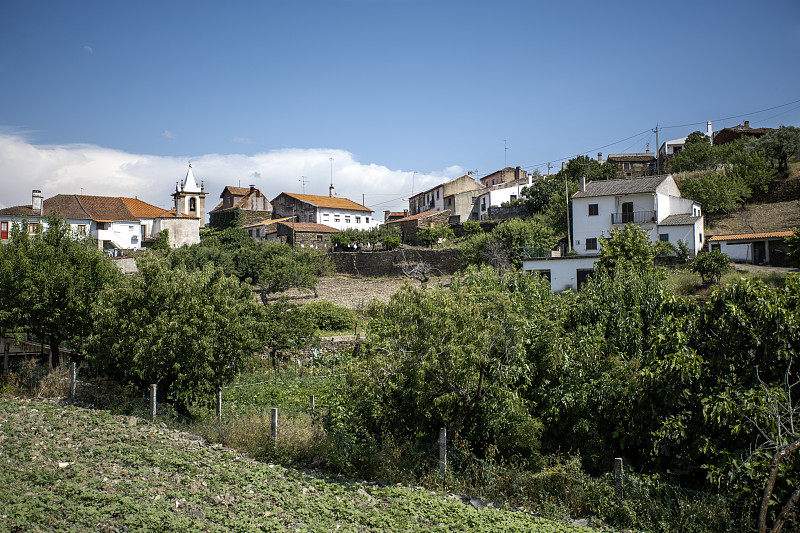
50,281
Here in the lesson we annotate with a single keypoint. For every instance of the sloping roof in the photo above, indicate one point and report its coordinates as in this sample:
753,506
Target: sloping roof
327,201
189,184
235,191
462,176
309,227
66,205
105,208
173,214
645,156
268,222
619,187
142,209
751,236
679,220
424,214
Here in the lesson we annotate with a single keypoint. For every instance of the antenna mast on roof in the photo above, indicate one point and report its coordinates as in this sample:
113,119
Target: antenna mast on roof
303,180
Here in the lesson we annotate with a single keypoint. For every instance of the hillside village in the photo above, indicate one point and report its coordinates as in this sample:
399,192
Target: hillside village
637,188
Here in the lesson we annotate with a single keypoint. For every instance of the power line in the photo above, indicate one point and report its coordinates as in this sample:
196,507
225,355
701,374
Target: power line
729,118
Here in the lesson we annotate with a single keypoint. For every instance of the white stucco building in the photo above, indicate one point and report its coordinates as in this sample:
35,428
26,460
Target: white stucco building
338,213
651,203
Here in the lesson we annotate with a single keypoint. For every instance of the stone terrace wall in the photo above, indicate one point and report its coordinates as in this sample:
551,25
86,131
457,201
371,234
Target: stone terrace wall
373,264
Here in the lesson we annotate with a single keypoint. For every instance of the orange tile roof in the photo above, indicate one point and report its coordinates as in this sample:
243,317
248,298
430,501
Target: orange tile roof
142,209
105,208
751,236
173,214
327,201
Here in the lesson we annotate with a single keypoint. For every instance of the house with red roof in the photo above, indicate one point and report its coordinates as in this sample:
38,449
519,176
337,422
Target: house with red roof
254,205
338,213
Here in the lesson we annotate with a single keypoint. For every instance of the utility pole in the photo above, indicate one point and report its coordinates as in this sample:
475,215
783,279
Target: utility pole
566,195
658,147
549,166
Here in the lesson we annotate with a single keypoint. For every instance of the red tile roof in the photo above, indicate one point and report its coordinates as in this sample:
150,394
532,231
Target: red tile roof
327,201
751,236
142,209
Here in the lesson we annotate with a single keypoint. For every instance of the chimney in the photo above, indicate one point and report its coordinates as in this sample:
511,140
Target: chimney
599,157
517,173
36,202
582,182
746,123
405,213
252,188
709,131
330,191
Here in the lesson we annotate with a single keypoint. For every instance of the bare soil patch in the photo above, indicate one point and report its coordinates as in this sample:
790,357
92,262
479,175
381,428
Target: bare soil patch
354,292
760,218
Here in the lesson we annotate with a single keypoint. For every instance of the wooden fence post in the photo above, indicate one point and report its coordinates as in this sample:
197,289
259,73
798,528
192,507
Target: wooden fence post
153,390
443,451
73,380
219,406
274,425
619,474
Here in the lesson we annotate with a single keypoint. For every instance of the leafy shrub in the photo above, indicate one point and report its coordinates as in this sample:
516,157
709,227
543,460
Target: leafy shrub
431,236
472,227
711,266
327,316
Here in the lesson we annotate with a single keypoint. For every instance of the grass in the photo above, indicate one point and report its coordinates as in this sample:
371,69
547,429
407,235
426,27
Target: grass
685,283
70,469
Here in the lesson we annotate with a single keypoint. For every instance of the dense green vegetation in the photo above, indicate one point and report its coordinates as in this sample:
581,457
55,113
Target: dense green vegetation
70,469
624,368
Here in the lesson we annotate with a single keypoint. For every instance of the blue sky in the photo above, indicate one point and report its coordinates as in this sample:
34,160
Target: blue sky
115,97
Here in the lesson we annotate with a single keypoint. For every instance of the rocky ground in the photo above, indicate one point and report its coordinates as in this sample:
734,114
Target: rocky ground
64,468
354,292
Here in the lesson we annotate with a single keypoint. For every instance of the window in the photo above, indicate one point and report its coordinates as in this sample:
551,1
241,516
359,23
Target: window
336,218
664,237
437,194
81,229
192,204
593,210
627,212
626,166
358,220
32,227
701,238
483,204
591,244
366,219
325,215
347,219
513,197
319,238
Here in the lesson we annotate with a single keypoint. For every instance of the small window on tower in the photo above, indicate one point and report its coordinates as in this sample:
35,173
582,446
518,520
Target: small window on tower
192,204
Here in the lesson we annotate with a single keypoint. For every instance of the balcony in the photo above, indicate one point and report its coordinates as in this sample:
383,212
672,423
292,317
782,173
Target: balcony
637,217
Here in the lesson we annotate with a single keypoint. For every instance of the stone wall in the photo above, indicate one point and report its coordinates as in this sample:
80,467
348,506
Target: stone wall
391,263
504,213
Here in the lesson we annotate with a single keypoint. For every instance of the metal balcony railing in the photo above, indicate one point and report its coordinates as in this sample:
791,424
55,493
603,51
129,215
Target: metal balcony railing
637,217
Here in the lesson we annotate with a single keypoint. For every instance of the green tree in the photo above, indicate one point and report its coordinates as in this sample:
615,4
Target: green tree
697,154
629,246
49,283
162,240
431,236
519,237
779,146
189,332
452,357
793,246
716,192
711,266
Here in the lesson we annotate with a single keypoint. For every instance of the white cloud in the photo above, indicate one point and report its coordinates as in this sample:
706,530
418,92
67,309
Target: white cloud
66,169
88,49
168,134
243,140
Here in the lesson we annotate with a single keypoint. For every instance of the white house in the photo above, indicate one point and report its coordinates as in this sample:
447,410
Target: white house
116,223
497,195
651,203
338,213
755,248
674,146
